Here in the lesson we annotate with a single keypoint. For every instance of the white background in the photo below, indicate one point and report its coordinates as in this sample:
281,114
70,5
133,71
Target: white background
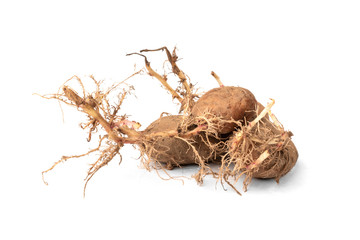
304,54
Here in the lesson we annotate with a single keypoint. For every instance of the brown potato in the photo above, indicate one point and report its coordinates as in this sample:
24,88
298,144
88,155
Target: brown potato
227,103
265,139
174,151
280,162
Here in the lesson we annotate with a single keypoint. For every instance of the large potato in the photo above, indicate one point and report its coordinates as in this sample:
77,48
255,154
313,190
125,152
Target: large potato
227,103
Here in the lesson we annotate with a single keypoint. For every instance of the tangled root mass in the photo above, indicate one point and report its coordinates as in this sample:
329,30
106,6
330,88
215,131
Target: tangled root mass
225,126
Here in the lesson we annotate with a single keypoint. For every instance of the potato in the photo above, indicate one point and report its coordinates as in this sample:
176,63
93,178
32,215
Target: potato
227,103
265,151
174,151
279,162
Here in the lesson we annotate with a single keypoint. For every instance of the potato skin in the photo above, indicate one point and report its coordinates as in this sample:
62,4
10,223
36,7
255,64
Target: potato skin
228,103
173,151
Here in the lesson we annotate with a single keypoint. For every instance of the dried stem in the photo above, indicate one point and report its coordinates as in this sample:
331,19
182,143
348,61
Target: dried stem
87,108
184,93
159,77
172,59
217,78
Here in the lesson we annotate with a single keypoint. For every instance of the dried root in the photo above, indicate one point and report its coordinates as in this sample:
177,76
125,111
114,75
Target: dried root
101,114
